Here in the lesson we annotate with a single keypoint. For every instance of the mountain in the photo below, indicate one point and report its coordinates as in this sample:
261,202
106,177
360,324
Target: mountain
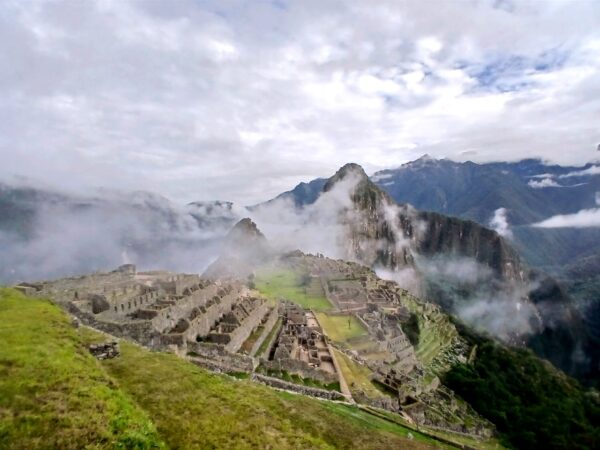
527,191
303,193
524,192
465,267
530,190
244,248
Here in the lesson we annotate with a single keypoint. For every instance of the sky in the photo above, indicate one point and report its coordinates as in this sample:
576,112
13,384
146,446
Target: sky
241,100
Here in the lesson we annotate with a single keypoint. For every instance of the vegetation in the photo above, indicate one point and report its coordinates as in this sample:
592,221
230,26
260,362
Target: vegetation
358,377
532,404
341,328
53,394
287,284
297,379
411,329
249,343
263,347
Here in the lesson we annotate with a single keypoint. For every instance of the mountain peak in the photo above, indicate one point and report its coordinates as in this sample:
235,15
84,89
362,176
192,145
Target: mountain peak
245,229
350,169
426,157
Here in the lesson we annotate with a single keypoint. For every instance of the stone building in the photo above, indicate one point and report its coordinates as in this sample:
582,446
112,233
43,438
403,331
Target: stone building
301,347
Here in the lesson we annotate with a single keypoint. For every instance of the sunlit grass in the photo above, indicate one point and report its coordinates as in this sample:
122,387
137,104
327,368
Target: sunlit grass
285,284
358,377
341,328
53,393
193,408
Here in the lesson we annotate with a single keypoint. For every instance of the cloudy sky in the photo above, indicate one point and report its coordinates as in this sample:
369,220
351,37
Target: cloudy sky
240,100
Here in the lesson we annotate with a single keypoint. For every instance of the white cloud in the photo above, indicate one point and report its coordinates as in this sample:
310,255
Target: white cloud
499,223
593,170
585,218
218,100
543,183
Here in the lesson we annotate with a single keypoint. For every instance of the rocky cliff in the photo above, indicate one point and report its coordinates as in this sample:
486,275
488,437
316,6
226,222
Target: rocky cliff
468,269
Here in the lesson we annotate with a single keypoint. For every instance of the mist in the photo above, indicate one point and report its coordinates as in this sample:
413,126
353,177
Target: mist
321,227
469,289
69,236
499,223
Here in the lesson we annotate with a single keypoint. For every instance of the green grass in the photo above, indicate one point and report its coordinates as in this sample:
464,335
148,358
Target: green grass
358,377
297,379
53,394
341,328
461,439
249,343
285,284
263,347
193,408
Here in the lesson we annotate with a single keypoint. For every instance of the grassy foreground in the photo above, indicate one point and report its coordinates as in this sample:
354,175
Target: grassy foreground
53,394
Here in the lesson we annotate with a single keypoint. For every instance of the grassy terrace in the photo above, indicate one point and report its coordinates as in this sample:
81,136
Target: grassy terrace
285,284
249,343
53,394
341,328
263,347
358,377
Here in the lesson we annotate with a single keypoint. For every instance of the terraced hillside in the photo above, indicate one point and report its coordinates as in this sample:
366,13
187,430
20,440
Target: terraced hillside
54,394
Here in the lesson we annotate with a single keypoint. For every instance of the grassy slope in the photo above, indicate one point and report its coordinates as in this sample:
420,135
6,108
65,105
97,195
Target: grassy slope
358,377
533,404
54,395
285,284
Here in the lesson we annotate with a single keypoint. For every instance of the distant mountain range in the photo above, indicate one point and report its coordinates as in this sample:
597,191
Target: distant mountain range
525,192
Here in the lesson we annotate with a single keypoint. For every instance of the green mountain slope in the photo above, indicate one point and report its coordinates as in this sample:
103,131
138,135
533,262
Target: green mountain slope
533,405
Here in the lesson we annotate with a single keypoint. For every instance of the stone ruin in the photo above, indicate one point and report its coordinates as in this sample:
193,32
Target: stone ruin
301,347
234,327
107,350
160,309
223,326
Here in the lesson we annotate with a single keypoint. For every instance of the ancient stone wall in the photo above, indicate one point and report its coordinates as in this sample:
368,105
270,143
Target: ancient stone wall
168,317
130,299
202,324
201,352
140,331
294,366
268,326
241,333
305,390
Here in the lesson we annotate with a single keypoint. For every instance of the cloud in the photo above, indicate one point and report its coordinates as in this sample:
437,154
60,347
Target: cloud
470,290
67,236
593,170
499,223
586,218
217,100
321,227
543,183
